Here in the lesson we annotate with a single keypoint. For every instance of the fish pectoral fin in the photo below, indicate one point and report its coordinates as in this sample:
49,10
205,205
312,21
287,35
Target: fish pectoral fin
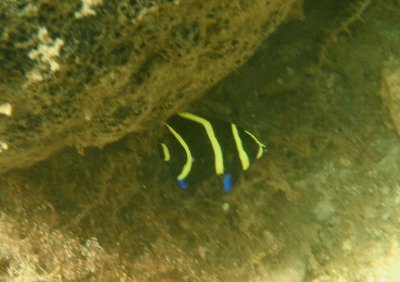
182,183
227,182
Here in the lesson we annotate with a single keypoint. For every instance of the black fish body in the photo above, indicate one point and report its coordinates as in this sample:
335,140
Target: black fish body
198,147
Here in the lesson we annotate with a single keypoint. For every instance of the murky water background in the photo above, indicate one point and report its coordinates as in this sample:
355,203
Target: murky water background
322,205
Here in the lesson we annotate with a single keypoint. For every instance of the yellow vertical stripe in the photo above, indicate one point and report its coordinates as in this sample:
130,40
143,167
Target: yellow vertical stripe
189,159
260,145
244,159
218,157
165,150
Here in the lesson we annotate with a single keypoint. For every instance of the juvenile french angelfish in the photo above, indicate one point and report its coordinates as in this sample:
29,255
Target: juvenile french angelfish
197,147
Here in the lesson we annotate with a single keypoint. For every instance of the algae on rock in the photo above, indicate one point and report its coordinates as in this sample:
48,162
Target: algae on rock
88,73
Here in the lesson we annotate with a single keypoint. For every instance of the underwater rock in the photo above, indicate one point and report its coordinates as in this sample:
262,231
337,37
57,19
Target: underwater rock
86,73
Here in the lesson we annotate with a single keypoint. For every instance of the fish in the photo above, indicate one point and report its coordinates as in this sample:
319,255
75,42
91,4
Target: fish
197,147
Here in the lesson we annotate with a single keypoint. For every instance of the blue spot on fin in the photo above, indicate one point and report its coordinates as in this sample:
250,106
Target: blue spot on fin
182,184
227,182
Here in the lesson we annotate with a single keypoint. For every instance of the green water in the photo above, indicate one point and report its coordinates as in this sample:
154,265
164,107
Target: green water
323,199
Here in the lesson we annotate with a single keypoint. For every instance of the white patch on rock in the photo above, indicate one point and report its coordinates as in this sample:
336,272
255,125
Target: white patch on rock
3,146
45,55
324,209
87,8
144,12
6,109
